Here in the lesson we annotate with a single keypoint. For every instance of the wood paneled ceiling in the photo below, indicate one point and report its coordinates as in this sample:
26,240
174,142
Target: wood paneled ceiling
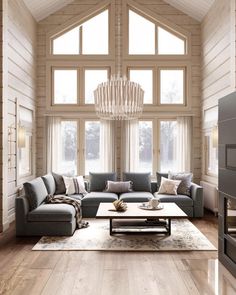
195,8
43,8
40,9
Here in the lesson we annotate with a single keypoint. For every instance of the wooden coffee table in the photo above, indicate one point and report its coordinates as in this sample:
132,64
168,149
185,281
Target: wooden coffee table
153,220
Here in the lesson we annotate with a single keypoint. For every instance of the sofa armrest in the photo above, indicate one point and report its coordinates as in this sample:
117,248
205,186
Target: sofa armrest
197,196
22,210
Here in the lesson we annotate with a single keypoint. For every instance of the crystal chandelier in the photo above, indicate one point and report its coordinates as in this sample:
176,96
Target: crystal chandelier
118,99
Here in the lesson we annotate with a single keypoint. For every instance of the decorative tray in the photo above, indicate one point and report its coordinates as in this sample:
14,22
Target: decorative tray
147,207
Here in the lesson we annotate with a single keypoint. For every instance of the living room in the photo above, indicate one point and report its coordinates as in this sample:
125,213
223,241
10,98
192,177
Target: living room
57,120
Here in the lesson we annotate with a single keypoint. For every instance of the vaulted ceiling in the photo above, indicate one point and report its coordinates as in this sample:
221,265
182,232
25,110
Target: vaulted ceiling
43,8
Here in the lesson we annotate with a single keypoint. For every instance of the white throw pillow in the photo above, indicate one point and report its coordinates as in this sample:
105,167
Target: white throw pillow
118,186
81,184
168,186
74,185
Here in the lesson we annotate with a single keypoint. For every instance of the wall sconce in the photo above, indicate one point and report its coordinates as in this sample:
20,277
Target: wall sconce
21,137
214,136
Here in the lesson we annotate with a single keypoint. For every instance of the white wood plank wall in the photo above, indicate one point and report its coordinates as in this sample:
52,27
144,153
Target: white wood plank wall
157,6
21,61
218,59
1,114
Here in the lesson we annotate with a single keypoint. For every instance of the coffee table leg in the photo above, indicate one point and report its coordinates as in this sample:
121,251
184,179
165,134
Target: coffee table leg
110,226
169,226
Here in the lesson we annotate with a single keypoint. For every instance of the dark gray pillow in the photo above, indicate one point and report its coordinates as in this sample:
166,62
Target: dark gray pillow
159,176
184,187
50,184
60,184
98,181
36,192
141,181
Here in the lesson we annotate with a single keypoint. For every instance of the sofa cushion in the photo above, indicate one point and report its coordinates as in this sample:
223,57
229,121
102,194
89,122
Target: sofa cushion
95,198
52,212
133,197
60,184
118,186
35,191
168,186
184,187
141,181
181,200
159,176
98,181
49,183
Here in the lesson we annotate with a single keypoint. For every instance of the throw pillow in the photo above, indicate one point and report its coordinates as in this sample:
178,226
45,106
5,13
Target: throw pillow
97,181
168,186
118,186
185,185
60,184
141,181
159,176
74,185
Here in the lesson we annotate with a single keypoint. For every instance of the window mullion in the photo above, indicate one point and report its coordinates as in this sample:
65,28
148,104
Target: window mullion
156,39
81,40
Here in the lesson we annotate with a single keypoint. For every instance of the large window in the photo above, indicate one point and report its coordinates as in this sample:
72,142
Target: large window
145,78
91,37
69,143
76,85
149,38
168,136
93,77
145,147
65,86
172,86
92,147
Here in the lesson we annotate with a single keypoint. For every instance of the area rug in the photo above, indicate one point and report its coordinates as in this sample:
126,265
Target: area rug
184,237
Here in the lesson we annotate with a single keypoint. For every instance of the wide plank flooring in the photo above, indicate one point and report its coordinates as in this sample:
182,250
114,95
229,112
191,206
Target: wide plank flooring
23,271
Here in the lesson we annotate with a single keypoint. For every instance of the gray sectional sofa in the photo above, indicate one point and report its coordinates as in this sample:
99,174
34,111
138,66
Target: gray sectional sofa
36,218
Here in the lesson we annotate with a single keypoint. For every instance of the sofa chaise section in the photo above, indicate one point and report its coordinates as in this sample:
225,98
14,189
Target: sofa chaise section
35,218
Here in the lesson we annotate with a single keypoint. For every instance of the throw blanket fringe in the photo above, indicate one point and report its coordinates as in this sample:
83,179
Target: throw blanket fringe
61,199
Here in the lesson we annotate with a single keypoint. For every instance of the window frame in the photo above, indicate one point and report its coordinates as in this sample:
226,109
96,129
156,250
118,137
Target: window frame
154,78
80,67
159,21
81,140
184,69
77,21
156,66
156,140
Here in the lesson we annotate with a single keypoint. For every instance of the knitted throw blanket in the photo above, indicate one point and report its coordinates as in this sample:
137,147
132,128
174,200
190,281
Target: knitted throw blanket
61,199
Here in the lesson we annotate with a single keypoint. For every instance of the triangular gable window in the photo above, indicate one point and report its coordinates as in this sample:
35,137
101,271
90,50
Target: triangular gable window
90,37
149,38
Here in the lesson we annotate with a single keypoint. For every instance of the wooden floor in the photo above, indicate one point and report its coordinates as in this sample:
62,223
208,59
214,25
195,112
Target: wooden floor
23,271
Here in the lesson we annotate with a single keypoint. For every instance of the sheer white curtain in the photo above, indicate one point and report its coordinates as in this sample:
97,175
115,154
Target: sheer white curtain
53,151
184,143
130,145
107,146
